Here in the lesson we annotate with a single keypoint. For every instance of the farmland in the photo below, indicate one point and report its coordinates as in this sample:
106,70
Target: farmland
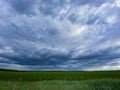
15,80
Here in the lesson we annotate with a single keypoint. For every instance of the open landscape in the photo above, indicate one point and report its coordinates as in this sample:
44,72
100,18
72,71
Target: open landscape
55,80
59,44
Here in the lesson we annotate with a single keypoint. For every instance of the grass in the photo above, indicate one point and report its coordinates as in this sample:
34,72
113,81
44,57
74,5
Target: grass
36,76
98,84
12,80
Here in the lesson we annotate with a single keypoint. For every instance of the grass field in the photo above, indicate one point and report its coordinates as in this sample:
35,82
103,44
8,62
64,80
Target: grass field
12,80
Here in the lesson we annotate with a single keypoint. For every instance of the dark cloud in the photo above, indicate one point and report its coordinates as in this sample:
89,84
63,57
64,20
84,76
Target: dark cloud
59,35
23,6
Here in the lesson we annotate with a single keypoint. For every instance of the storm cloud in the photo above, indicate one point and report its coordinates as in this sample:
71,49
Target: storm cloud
60,34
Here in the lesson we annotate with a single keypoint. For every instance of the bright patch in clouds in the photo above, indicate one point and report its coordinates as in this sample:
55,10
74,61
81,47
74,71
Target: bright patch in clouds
60,35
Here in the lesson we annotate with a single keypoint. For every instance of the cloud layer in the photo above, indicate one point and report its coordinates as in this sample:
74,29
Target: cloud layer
60,34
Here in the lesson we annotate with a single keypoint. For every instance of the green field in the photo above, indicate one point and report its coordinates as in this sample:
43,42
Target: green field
14,80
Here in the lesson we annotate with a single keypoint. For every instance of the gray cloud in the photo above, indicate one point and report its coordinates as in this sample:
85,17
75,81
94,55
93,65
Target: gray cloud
23,6
62,34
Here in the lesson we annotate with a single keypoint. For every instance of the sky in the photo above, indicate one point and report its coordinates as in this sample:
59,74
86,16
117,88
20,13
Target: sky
66,35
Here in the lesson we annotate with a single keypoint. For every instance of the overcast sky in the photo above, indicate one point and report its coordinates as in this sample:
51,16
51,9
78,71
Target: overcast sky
60,34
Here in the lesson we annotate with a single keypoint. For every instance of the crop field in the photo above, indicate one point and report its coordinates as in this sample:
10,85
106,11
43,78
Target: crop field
14,80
